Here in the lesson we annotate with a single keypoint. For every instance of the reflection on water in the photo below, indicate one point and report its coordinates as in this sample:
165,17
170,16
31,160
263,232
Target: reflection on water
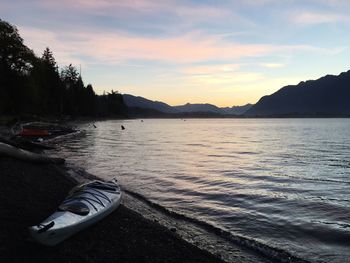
281,182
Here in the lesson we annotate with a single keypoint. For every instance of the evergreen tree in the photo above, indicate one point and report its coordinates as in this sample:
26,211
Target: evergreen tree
16,62
32,85
53,85
49,60
89,102
69,78
46,92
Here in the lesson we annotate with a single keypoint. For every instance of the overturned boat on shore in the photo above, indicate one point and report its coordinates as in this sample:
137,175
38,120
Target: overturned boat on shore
30,132
41,129
85,205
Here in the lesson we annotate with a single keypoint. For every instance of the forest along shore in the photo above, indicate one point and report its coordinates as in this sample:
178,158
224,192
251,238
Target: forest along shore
30,192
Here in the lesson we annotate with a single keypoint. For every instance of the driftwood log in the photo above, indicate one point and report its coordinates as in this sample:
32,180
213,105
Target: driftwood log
11,151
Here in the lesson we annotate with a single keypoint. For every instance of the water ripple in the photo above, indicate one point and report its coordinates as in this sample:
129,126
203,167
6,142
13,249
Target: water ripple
277,186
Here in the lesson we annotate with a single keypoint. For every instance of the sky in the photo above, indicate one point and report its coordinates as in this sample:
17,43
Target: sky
210,51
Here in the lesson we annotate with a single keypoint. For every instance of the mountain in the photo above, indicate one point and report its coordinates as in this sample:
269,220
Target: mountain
149,107
234,110
326,96
199,108
237,110
140,102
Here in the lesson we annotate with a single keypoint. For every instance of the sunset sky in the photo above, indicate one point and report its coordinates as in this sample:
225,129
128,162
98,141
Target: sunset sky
221,52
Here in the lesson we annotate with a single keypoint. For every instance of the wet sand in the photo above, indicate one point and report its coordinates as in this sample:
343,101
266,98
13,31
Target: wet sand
30,192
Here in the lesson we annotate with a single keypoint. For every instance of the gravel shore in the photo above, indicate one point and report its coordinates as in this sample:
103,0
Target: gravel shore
30,192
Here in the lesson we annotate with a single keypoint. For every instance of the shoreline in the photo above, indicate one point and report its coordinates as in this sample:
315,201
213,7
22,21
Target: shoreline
30,192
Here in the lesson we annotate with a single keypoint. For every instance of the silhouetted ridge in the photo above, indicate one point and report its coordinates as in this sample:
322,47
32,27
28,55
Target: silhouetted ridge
326,96
198,107
138,106
237,110
142,103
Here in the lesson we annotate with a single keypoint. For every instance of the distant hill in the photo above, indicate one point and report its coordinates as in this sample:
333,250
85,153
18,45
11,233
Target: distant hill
234,110
142,103
326,96
237,110
199,108
139,105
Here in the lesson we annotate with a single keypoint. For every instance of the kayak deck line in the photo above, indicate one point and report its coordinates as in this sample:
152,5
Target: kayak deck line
78,195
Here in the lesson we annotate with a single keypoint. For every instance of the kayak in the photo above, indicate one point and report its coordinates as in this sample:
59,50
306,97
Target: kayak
85,205
33,132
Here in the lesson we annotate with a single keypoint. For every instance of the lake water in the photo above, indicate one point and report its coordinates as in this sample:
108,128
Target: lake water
278,184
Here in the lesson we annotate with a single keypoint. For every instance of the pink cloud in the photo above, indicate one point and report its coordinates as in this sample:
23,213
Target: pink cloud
113,48
211,69
104,4
141,6
272,65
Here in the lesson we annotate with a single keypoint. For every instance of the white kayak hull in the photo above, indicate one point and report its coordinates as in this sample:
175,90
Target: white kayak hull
96,204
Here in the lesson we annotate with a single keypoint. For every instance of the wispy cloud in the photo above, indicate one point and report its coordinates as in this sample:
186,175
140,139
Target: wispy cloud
333,3
272,65
312,18
142,5
211,69
113,48
181,47
195,12
224,79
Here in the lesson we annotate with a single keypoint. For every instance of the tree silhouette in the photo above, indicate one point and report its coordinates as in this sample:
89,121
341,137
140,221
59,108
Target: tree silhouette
32,85
14,55
49,60
53,85
16,62
45,85
69,78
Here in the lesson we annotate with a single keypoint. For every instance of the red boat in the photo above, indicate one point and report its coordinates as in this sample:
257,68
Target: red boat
33,132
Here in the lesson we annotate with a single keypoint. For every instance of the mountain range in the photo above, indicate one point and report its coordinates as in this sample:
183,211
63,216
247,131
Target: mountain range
142,103
327,96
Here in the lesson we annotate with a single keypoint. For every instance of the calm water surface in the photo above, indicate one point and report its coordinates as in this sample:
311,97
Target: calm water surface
284,183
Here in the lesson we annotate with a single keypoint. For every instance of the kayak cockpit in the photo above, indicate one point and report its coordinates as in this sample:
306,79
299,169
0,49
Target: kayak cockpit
103,187
75,207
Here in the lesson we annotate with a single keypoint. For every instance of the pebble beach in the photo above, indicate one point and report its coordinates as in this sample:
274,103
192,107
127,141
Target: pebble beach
30,192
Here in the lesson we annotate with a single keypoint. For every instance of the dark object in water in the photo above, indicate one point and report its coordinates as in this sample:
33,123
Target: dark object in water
123,128
94,125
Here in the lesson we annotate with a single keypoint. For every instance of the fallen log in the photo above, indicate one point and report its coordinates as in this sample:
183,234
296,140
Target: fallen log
11,151
25,144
